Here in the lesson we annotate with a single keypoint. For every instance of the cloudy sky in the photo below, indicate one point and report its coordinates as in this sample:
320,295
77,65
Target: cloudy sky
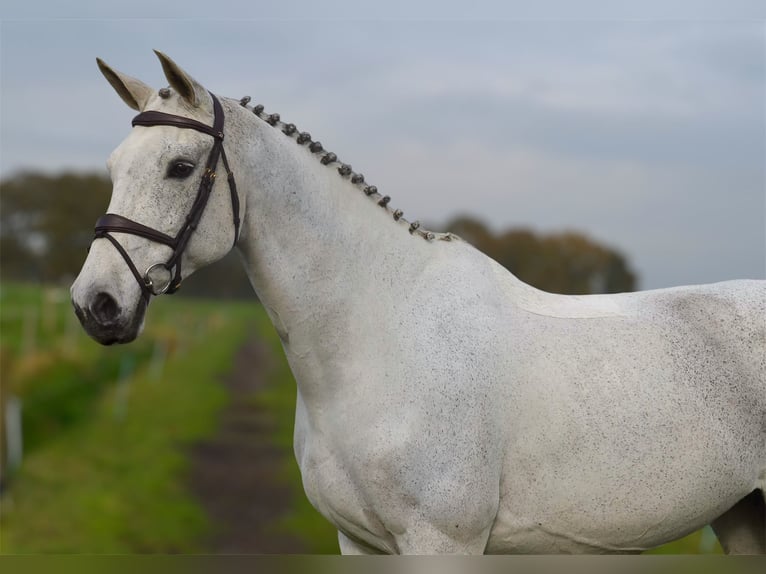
647,133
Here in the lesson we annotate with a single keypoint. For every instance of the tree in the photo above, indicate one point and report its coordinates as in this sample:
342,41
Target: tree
567,263
46,222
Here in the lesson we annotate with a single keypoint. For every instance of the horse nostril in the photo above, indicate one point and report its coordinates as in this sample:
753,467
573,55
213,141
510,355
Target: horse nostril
105,309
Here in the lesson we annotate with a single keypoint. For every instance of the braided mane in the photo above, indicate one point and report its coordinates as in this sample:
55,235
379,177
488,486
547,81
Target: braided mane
328,158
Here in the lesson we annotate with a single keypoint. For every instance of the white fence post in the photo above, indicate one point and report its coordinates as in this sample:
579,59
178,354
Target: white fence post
13,432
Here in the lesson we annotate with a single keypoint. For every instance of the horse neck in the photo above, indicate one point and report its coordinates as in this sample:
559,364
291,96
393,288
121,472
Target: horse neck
312,242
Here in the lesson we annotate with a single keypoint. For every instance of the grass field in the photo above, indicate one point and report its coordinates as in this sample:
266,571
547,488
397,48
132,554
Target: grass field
105,429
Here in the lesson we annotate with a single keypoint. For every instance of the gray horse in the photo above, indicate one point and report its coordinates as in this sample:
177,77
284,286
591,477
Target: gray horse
443,405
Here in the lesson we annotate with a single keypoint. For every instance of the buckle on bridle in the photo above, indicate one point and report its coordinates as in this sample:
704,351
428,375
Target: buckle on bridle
149,282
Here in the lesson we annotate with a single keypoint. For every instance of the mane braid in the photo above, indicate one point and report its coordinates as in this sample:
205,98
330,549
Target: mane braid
344,170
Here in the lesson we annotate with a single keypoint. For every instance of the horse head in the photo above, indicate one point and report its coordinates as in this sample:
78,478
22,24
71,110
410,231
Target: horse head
168,215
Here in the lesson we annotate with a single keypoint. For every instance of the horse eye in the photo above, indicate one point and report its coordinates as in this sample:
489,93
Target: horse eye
180,169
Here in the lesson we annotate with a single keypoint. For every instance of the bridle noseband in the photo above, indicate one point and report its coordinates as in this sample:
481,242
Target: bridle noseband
120,224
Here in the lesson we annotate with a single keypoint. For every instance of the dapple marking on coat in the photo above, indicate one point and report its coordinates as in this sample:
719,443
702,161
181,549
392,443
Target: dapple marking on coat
443,405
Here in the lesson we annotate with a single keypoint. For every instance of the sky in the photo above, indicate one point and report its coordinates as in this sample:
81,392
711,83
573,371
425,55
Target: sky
646,132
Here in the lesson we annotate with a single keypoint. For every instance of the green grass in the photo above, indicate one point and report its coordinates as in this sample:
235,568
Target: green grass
700,542
106,471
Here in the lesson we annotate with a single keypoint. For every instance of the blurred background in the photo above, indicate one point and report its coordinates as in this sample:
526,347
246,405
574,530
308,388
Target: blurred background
585,154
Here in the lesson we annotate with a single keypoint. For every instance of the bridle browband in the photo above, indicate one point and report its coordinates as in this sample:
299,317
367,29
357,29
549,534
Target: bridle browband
118,223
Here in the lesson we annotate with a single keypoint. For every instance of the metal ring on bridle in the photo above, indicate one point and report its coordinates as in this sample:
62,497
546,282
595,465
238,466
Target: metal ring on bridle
150,283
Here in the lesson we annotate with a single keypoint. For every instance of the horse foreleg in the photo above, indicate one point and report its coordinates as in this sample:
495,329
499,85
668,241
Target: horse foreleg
742,528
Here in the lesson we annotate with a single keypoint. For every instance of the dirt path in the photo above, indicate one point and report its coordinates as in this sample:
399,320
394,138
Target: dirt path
234,472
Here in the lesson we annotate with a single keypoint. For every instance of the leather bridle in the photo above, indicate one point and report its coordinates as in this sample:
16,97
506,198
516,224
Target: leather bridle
111,222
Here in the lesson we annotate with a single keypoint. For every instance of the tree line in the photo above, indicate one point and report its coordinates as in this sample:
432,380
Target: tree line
46,226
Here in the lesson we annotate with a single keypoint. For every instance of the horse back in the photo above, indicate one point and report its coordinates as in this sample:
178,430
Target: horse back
721,326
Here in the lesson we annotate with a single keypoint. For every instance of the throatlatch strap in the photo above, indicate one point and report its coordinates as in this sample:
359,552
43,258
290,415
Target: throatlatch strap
234,196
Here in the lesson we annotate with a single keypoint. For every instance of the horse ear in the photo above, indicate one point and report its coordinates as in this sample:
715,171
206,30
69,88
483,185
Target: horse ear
186,86
132,91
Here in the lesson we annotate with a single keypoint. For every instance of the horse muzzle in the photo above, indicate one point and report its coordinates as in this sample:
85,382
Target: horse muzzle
106,321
